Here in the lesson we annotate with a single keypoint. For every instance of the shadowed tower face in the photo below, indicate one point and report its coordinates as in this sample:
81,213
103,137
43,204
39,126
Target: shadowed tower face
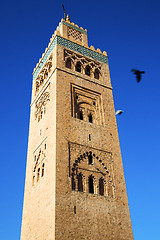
75,187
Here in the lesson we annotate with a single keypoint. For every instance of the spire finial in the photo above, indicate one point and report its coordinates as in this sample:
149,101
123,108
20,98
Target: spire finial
68,19
64,12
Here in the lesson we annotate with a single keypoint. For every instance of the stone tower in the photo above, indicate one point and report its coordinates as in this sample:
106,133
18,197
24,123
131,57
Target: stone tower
75,187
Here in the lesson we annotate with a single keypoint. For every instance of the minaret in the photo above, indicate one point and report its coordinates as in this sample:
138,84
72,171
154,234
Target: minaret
75,187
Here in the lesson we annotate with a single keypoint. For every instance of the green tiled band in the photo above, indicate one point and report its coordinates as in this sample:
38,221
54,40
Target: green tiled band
72,46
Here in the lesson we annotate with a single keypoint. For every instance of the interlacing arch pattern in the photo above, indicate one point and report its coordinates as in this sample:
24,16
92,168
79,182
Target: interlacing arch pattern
82,64
39,166
43,75
40,105
104,184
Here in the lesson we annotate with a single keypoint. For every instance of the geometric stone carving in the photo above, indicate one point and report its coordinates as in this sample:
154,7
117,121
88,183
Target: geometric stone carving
87,105
76,35
85,163
40,105
94,66
43,75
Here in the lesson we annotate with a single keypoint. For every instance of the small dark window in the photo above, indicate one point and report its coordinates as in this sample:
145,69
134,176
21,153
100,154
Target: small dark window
89,137
80,183
38,172
90,118
35,158
101,186
78,67
94,103
45,146
74,209
73,183
43,170
88,71
68,63
96,74
81,115
90,158
91,186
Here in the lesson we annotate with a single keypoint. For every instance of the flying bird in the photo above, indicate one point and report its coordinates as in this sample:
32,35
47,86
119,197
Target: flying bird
118,112
138,74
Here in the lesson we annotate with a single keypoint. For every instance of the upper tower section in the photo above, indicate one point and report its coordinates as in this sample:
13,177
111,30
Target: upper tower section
73,32
72,37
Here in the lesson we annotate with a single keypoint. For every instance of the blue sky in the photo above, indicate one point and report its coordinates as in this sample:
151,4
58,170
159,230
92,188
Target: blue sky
130,33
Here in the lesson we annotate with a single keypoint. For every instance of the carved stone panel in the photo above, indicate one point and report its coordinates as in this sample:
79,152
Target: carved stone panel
87,105
88,164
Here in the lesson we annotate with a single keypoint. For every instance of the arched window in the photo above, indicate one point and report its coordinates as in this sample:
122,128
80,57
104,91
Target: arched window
91,185
81,115
90,158
101,186
78,67
38,173
42,169
96,74
80,182
37,85
73,182
41,80
90,118
88,70
68,63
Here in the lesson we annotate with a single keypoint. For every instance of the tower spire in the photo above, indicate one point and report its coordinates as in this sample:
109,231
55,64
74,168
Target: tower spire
64,12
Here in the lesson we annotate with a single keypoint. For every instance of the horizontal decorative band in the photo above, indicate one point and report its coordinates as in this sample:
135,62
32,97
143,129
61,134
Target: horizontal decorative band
82,50
72,46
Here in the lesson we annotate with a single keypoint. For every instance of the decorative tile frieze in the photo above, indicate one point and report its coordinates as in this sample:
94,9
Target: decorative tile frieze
72,46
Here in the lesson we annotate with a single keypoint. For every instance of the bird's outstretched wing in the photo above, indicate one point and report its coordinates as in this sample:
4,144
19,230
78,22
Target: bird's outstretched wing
119,112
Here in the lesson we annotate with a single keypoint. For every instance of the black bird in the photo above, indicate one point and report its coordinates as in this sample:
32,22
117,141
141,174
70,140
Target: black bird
138,74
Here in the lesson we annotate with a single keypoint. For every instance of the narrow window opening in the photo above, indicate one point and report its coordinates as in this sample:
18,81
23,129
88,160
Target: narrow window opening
90,159
90,118
89,137
73,183
45,146
94,103
96,74
35,158
38,172
81,115
88,71
80,182
101,186
43,170
91,185
68,63
78,67
74,209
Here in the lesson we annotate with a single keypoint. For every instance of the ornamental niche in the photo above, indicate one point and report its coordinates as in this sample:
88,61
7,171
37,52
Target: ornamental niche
83,65
91,171
40,105
43,75
87,105
39,157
